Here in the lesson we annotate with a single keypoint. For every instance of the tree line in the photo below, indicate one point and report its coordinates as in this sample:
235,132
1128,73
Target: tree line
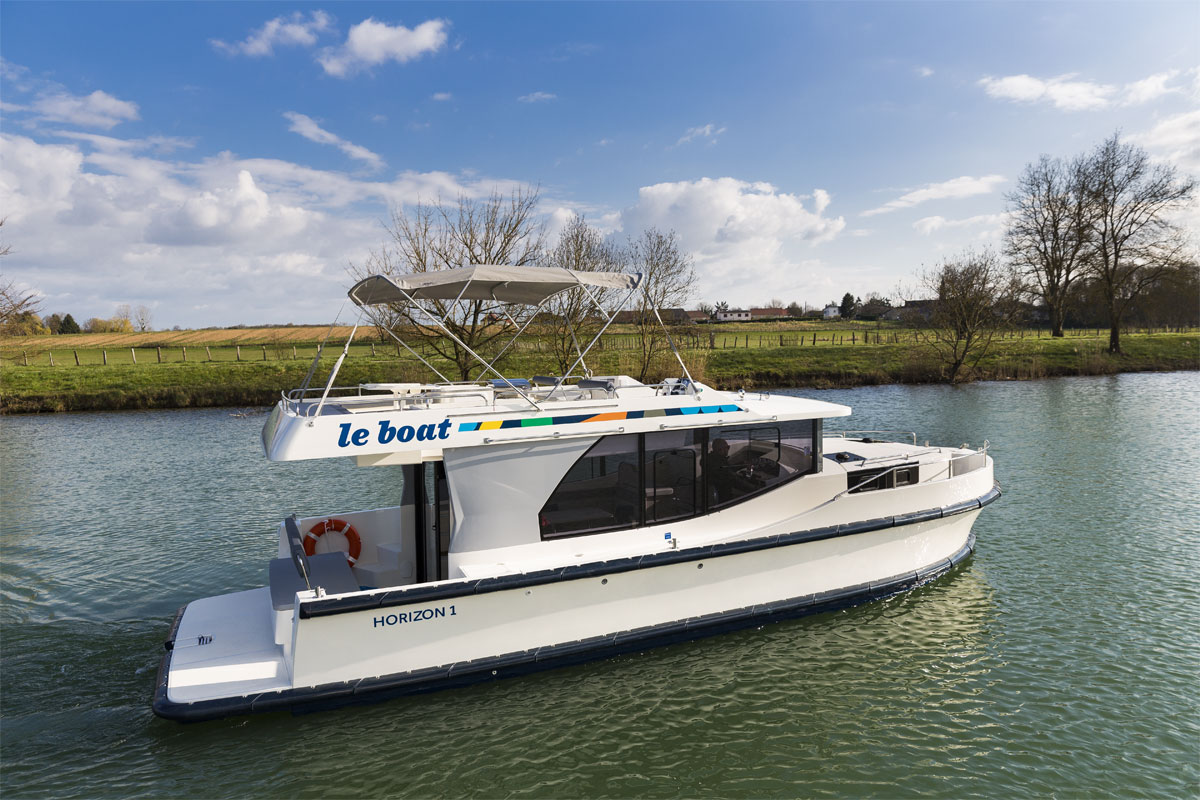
1093,239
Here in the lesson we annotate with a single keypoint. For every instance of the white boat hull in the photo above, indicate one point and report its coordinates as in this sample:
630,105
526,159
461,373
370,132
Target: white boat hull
463,631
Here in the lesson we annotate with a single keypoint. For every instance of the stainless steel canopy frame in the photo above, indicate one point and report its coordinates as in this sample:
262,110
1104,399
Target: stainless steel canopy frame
507,285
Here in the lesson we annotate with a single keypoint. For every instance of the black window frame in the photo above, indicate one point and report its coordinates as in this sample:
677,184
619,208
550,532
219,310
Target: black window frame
706,506
880,478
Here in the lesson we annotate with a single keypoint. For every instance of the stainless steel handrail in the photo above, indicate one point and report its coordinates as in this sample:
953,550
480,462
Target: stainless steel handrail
845,434
949,464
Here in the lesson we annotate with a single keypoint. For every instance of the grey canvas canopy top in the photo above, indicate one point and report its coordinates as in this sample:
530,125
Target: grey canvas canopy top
506,284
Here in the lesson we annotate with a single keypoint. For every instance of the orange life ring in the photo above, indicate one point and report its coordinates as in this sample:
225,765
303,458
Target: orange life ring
332,525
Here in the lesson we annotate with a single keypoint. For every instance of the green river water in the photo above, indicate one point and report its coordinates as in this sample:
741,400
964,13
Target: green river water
1062,660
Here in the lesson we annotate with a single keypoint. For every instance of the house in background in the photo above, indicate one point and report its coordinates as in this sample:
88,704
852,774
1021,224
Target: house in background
768,313
733,315
831,312
912,310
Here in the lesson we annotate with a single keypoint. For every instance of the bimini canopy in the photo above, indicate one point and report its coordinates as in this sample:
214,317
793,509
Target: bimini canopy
504,284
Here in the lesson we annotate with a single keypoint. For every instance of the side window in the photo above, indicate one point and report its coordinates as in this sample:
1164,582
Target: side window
672,475
746,461
634,479
600,492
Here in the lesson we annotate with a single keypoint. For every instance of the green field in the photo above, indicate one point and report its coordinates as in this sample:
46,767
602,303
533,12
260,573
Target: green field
171,374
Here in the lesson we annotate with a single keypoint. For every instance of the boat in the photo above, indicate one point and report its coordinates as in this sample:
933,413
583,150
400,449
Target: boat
544,521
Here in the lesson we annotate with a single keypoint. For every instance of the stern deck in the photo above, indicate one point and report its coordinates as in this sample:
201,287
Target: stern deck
225,647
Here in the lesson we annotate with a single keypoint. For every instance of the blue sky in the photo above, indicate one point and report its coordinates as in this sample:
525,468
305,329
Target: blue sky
223,163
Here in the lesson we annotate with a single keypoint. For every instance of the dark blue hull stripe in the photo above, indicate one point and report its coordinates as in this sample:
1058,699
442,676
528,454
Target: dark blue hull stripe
365,690
421,594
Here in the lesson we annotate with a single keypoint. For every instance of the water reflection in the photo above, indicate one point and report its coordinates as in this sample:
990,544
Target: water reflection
1060,660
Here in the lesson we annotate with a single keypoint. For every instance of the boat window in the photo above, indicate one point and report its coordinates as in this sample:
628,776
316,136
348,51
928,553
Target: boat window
630,480
871,480
743,461
600,492
672,475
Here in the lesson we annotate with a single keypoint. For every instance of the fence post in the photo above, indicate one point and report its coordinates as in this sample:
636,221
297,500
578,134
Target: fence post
25,356
76,352
372,349
133,355
264,347
293,352
239,351
105,354
159,351
814,340
207,353
185,352
51,354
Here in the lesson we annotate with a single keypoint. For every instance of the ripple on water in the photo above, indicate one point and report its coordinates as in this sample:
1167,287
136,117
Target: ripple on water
1061,660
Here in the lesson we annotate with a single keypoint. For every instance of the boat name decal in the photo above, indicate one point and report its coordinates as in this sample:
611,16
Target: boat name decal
388,432
530,422
420,615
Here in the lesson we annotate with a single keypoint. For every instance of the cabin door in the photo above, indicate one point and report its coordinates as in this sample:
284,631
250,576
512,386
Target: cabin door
433,523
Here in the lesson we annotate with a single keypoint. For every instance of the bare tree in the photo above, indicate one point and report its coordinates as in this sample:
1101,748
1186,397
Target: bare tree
667,281
571,317
142,317
16,303
1135,240
1048,238
976,299
431,237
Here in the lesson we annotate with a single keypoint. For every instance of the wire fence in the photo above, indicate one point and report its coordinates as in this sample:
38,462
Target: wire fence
51,356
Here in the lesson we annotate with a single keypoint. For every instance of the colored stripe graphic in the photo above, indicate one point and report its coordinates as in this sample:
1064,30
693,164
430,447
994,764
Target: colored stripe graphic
610,416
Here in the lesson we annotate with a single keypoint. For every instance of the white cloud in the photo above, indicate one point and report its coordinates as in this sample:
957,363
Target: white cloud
537,97
957,188
924,72
95,222
372,43
1175,139
1062,92
1150,88
291,30
1067,93
709,132
309,129
441,97
927,225
225,215
738,232
157,144
98,109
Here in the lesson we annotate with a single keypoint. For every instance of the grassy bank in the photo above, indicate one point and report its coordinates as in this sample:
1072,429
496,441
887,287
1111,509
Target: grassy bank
1010,359
216,378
